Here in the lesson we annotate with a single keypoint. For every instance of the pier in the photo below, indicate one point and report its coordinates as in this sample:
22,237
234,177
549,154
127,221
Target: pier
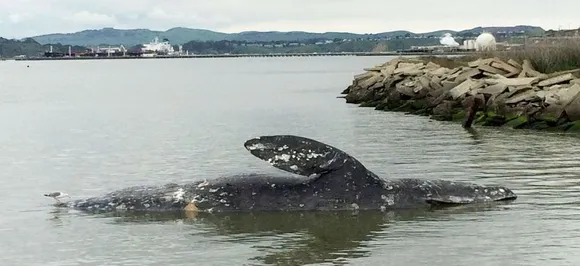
398,53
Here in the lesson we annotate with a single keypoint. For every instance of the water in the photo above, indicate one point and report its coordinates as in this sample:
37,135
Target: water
89,127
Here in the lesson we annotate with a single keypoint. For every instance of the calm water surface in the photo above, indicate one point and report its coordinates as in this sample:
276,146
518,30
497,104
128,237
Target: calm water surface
89,127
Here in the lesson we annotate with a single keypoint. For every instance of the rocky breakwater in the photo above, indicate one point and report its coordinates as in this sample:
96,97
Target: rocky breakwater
498,93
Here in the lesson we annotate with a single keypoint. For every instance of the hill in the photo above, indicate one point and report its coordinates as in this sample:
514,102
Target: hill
30,47
180,35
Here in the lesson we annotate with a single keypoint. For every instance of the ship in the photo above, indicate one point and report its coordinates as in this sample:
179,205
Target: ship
155,48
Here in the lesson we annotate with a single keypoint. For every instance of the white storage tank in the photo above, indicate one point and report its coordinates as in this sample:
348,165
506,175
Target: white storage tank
485,42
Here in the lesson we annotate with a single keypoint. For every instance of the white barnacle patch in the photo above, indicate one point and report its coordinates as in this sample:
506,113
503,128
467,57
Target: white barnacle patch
355,206
257,146
314,155
147,205
501,190
283,148
178,195
203,184
294,167
383,208
121,207
457,199
283,157
301,205
213,190
389,199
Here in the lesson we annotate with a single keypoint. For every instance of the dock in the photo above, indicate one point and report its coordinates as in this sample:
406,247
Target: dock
41,58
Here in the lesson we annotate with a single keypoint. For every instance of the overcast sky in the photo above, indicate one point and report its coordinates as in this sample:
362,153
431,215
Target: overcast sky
23,18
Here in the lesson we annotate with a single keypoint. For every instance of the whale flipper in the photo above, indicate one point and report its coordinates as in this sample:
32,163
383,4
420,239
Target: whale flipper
300,155
449,200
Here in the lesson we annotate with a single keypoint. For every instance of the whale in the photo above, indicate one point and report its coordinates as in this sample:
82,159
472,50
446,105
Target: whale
317,177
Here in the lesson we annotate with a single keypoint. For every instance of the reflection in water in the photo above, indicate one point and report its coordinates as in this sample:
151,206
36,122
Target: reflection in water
474,134
299,238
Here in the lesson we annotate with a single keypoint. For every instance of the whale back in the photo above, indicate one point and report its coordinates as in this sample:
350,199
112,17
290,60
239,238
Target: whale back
306,157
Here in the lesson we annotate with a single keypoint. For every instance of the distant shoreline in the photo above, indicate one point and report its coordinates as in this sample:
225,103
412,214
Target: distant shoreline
244,55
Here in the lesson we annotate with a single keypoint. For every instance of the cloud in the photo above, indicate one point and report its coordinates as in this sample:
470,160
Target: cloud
16,18
24,18
90,18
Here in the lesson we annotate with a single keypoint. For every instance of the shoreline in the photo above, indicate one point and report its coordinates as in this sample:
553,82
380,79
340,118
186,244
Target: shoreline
245,55
485,92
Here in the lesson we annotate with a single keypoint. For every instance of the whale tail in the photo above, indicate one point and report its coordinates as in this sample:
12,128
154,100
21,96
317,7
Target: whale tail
302,156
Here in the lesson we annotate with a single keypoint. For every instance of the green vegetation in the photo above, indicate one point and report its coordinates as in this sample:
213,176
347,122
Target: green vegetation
29,47
546,57
310,46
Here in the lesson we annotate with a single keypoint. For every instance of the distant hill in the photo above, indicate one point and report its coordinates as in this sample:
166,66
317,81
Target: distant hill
180,35
30,47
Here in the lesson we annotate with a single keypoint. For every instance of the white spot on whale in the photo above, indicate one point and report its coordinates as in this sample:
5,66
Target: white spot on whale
283,157
390,199
257,146
355,206
294,167
283,148
314,155
203,184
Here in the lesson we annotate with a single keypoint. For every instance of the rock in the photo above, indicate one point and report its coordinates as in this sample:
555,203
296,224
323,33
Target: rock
444,111
388,70
448,85
407,87
528,96
511,70
556,80
391,81
517,89
467,74
562,95
368,82
572,109
515,64
462,89
480,62
528,70
508,93
517,81
517,122
493,70
439,71
360,77
494,90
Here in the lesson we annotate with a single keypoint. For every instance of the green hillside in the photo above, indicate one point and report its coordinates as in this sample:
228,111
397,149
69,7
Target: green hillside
180,35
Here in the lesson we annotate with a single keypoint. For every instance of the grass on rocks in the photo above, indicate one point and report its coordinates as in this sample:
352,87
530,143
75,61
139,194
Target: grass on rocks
547,58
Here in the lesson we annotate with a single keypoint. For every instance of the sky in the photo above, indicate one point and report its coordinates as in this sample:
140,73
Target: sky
26,18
